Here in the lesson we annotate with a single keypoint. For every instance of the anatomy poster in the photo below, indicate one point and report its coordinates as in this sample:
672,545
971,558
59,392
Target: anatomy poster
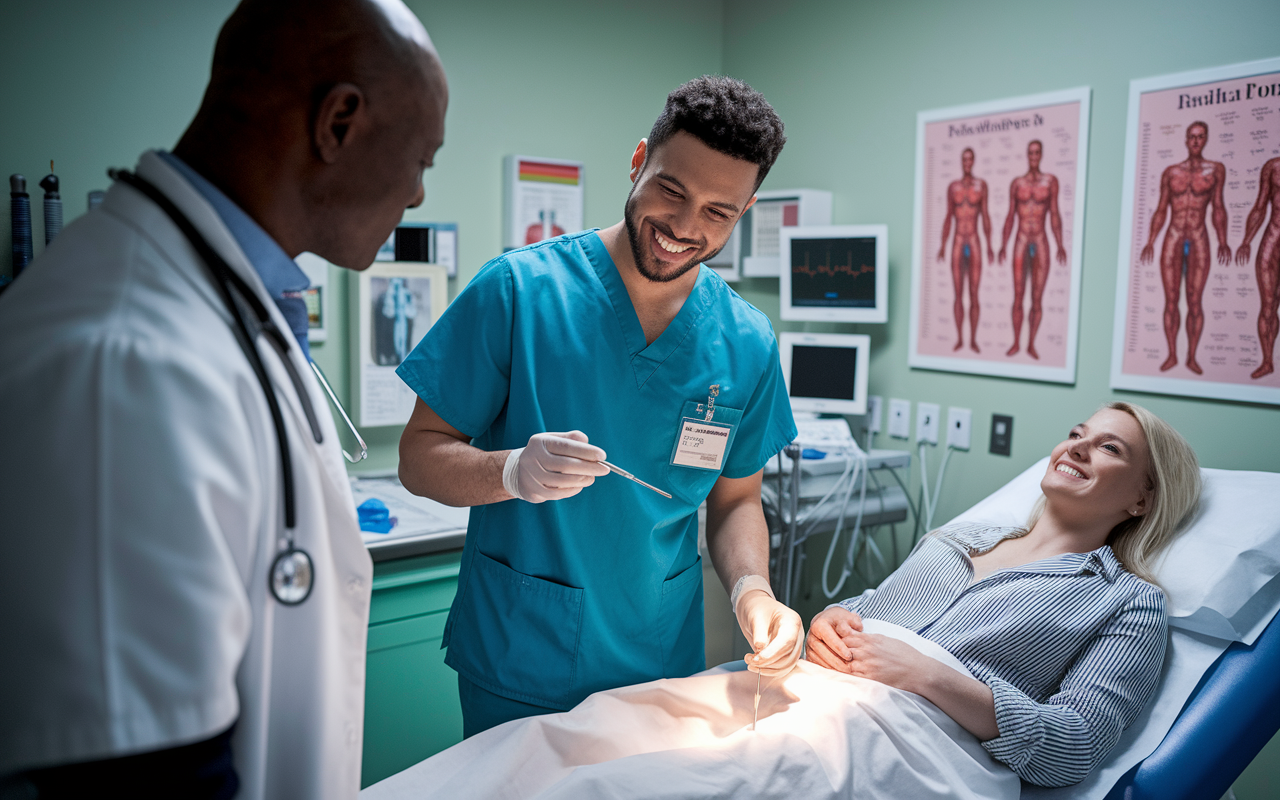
395,303
544,198
995,279
1199,257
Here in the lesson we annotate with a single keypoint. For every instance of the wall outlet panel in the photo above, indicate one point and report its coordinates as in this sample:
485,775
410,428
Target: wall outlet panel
927,422
1001,435
959,428
899,418
874,403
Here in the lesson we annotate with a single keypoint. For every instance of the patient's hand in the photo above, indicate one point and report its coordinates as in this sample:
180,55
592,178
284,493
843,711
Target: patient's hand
889,661
826,645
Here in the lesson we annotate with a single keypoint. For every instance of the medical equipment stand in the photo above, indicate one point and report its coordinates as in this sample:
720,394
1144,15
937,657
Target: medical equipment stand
784,573
787,562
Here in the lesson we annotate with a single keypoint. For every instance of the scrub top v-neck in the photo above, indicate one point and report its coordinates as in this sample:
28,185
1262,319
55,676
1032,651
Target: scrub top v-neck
561,599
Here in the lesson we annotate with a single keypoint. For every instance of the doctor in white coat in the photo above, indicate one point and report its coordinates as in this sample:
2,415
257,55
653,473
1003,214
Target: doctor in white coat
144,654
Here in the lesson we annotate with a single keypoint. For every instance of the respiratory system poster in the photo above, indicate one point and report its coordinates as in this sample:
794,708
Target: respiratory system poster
999,191
1200,237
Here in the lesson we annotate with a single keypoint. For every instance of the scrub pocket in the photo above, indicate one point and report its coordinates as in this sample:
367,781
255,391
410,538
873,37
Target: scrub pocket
517,635
680,624
693,483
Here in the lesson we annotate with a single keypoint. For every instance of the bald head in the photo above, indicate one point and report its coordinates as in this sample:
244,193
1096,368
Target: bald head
272,53
311,105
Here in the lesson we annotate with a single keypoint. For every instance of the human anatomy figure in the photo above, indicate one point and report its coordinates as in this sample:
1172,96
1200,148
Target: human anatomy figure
967,202
1188,187
1267,266
398,305
1032,197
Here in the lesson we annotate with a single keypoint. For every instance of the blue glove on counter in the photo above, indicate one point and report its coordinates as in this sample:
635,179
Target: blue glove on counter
374,516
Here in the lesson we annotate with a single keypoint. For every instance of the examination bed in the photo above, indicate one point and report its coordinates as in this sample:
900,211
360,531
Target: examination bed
1218,701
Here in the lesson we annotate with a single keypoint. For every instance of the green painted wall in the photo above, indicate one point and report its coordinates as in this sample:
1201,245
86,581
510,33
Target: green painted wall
848,79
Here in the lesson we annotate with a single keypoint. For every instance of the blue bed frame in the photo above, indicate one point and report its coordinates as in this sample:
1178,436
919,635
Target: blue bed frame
1231,715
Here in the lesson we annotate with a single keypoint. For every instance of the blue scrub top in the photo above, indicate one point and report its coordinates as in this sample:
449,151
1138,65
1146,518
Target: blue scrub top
561,599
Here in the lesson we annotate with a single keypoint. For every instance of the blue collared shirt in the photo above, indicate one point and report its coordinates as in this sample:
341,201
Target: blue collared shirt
280,275
1071,646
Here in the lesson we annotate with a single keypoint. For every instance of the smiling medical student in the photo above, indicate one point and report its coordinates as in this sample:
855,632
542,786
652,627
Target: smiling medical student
610,344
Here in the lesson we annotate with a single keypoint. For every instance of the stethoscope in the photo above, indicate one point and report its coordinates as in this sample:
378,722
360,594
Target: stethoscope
292,574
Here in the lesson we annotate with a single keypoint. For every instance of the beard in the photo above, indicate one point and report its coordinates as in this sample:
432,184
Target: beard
646,264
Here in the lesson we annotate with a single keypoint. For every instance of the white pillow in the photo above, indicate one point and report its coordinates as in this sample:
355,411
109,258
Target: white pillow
1220,573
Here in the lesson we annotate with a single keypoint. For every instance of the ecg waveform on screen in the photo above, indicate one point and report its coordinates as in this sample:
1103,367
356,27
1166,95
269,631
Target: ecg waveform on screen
833,272
832,269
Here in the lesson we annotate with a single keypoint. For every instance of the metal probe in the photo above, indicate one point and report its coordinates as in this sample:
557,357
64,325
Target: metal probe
629,476
756,718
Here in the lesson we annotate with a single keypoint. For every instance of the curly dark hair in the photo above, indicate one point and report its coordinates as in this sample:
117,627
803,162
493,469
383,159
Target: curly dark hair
728,116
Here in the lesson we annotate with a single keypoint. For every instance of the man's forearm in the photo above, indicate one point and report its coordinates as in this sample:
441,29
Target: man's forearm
738,541
449,471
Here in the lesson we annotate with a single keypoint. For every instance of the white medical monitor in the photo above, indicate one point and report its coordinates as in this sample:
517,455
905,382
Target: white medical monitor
826,373
835,273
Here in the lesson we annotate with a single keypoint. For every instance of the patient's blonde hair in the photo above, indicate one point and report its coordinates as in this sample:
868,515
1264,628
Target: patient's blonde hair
1174,483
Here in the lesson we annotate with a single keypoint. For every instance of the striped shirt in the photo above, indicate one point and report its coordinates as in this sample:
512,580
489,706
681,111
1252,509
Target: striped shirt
1071,646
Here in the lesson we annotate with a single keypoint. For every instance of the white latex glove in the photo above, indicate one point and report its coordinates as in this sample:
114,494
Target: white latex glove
775,632
552,466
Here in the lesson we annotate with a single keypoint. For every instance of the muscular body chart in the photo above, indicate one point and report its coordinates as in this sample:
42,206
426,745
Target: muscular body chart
1187,189
1267,268
967,204
1200,238
1025,157
1032,197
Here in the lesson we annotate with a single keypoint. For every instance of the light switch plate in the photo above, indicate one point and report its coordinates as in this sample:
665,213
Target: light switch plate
959,428
1001,434
899,418
927,422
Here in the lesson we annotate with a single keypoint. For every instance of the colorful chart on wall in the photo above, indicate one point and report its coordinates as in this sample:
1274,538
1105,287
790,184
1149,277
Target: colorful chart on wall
544,198
1199,265
999,212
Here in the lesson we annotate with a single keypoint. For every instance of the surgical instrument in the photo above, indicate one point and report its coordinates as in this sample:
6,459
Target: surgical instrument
629,476
756,717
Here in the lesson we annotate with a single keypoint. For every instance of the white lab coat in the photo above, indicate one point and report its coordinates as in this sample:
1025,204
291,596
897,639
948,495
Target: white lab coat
141,506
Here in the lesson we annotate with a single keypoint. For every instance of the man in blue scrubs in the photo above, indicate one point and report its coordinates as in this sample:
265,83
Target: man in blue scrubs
614,343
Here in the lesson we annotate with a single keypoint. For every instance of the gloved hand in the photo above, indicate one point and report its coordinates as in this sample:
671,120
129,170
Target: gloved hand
775,632
552,466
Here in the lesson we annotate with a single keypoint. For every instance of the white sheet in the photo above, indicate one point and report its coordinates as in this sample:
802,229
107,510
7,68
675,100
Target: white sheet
820,735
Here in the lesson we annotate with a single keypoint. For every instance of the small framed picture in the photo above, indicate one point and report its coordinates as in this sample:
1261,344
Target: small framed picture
393,304
543,199
316,295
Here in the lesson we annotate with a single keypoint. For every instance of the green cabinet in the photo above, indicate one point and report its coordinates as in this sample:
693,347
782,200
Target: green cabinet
411,706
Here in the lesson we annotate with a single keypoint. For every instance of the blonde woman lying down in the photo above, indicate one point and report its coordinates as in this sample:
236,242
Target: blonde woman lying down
1059,623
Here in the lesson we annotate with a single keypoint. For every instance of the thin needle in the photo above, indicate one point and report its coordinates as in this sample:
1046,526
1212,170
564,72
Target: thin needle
629,476
756,718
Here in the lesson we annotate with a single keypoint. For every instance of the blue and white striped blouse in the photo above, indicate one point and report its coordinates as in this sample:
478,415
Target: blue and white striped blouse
1071,646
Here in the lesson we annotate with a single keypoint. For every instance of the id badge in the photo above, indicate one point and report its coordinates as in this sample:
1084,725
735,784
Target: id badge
701,444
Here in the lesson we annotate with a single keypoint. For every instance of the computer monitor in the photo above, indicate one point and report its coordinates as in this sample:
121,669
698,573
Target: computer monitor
835,273
826,372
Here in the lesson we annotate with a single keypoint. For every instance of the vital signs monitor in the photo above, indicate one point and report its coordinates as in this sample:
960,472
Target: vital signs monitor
826,372
835,273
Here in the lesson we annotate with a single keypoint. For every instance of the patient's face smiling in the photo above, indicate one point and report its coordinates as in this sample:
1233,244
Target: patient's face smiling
1103,463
